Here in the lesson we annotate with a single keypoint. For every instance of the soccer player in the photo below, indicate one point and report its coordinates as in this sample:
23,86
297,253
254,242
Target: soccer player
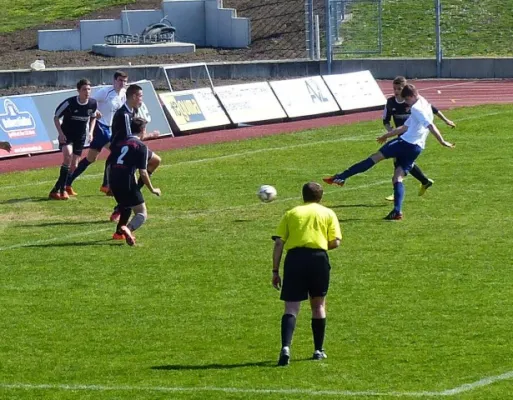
5,146
76,113
121,129
109,100
405,149
397,109
306,232
128,155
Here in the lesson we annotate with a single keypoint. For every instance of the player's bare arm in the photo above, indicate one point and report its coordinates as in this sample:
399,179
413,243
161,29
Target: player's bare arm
436,133
92,124
147,181
150,135
446,120
277,253
5,146
392,133
61,137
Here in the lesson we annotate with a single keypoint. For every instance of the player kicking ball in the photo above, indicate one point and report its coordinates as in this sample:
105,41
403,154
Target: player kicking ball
127,156
405,149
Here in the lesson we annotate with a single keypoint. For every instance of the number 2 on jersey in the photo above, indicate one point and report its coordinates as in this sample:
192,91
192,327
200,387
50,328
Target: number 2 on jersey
124,150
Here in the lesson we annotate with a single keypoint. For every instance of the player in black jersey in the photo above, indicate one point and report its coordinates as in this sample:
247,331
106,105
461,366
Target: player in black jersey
397,109
121,129
130,154
77,113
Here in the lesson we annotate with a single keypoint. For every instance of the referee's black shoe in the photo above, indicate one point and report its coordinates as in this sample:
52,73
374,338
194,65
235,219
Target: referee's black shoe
284,357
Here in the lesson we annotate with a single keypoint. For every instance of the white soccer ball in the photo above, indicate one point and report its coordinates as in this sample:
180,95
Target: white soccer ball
267,193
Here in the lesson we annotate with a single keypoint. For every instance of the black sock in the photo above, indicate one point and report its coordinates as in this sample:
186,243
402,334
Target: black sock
288,324
63,176
417,173
140,183
318,330
123,218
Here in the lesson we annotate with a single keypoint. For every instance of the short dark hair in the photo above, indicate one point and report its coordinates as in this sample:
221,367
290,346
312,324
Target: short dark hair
137,125
132,89
408,91
312,192
83,82
121,74
399,80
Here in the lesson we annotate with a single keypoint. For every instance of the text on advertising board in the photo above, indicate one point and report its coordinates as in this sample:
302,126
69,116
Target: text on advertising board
186,109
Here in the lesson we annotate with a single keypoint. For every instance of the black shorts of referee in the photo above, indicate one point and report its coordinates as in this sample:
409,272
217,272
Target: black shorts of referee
306,273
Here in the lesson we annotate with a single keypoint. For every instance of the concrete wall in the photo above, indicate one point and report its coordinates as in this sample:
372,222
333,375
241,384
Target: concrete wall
59,39
224,29
188,17
457,68
201,22
94,31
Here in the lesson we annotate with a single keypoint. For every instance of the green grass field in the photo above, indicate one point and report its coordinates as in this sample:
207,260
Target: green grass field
20,14
417,308
468,28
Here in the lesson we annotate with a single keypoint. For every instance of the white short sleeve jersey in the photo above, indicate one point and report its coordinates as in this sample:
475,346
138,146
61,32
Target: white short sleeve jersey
109,102
421,117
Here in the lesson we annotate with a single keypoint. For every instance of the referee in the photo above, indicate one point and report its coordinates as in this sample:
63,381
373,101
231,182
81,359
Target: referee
306,232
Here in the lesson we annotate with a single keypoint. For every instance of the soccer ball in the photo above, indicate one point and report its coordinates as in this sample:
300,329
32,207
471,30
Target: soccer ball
267,193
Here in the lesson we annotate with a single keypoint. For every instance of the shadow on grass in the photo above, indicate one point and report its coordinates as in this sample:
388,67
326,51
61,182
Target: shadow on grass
361,205
25,200
258,364
179,367
59,223
79,244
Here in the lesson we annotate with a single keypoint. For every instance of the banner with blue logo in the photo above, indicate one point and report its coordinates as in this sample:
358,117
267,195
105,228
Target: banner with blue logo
21,125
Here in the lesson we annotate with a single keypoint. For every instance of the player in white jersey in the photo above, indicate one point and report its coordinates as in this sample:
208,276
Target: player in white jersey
405,149
109,100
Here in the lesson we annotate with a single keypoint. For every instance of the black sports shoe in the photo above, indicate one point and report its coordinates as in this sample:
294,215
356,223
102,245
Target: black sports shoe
284,357
319,355
394,215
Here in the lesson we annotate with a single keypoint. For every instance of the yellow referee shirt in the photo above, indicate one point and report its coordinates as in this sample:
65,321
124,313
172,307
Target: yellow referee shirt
309,225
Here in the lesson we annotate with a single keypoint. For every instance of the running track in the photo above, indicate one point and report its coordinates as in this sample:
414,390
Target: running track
445,94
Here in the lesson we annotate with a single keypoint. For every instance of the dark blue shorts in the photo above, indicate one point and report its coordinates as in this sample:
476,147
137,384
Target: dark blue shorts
405,153
101,136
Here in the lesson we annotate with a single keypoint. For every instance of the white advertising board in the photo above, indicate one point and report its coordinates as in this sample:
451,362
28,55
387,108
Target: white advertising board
355,90
304,96
194,109
250,102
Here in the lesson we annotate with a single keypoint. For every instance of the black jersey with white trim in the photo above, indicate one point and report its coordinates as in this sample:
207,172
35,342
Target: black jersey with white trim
399,112
128,155
121,124
75,115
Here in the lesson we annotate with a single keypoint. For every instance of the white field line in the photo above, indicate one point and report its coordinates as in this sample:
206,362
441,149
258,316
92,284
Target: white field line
468,387
440,86
251,152
184,214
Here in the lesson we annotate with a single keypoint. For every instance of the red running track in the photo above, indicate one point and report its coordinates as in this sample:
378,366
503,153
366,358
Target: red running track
444,94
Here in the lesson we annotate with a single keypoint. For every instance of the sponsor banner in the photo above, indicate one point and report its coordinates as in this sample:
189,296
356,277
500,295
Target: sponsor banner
21,125
250,102
194,109
26,121
304,96
355,90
